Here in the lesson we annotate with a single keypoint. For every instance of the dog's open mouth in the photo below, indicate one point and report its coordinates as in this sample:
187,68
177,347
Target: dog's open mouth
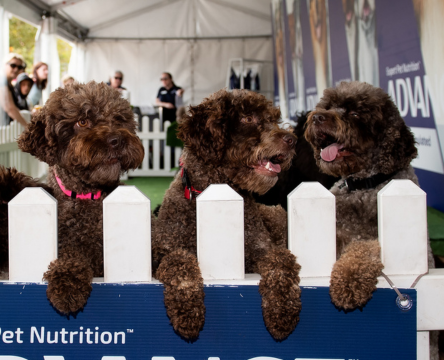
112,160
271,166
331,149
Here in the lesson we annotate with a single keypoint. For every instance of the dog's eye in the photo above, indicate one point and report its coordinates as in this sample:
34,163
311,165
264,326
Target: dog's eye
248,120
354,114
82,123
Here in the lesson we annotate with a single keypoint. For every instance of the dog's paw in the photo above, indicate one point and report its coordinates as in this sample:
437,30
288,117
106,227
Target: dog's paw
281,294
184,294
186,310
69,285
353,280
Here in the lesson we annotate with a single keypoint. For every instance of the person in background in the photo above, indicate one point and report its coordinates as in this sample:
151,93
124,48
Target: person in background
67,80
116,80
14,63
22,88
169,97
40,77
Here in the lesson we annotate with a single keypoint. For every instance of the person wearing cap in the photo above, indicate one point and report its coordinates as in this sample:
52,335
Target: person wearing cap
22,88
14,64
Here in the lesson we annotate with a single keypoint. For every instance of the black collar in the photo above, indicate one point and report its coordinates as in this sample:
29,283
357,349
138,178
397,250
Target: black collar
367,183
189,191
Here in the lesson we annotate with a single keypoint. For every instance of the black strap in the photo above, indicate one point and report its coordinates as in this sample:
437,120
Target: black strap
367,183
185,179
74,195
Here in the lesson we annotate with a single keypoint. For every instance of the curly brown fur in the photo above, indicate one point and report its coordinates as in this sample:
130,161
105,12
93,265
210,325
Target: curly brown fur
11,183
86,133
364,125
230,138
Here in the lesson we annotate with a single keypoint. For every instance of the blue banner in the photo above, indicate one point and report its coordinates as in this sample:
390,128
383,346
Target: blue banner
340,40
129,322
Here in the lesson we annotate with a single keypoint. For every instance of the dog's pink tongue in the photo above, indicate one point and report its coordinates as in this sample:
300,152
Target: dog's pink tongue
330,152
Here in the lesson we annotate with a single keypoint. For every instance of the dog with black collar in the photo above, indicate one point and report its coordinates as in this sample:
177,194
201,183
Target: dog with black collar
357,133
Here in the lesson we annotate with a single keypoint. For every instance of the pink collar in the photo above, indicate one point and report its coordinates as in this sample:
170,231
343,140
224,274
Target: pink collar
74,195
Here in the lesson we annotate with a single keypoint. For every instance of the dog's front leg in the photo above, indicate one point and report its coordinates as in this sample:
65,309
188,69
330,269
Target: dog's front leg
69,282
275,221
355,274
281,295
184,296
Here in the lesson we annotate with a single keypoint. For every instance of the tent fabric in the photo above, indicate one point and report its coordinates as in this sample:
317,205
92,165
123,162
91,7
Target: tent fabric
192,39
200,67
171,18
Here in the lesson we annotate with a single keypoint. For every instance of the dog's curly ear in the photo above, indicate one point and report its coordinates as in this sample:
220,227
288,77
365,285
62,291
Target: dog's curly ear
203,130
397,142
37,138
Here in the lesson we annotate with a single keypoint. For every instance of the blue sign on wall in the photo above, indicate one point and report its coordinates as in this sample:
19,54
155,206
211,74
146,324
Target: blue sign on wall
129,322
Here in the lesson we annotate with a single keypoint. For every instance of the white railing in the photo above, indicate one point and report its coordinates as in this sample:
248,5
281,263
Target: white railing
127,256
156,150
12,156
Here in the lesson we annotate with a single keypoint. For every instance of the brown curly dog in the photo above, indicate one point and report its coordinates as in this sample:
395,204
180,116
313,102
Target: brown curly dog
86,133
230,138
357,133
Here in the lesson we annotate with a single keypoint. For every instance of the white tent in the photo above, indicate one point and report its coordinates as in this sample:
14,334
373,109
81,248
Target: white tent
192,39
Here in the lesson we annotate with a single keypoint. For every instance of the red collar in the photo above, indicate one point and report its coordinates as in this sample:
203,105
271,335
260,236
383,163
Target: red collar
189,191
74,195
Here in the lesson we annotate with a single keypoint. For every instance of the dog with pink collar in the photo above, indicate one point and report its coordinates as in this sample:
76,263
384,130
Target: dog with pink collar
87,135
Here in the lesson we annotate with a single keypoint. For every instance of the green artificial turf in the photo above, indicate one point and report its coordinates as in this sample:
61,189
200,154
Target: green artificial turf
153,187
435,221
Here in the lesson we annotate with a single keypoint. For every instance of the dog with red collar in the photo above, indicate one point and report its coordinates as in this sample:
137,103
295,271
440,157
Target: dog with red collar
231,138
86,134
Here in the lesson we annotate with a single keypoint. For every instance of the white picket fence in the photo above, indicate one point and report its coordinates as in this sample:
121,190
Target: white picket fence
156,150
127,252
154,143
12,156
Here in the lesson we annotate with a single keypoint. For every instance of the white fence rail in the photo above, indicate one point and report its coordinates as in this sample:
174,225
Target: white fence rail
127,255
157,160
12,156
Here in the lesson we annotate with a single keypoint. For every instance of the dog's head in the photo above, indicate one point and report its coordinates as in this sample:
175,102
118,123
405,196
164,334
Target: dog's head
318,19
88,130
349,11
366,10
356,129
238,133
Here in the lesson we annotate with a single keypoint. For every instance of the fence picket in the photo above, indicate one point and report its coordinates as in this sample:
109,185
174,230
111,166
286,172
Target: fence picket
166,149
156,145
220,233
402,226
127,234
145,142
32,234
307,235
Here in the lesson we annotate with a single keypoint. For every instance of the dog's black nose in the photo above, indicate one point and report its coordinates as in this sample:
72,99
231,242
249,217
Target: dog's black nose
289,139
114,141
318,118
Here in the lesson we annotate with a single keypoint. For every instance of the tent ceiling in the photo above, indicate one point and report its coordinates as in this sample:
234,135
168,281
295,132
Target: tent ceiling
164,19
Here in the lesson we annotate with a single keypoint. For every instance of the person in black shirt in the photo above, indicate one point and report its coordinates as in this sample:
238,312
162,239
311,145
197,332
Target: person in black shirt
168,97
